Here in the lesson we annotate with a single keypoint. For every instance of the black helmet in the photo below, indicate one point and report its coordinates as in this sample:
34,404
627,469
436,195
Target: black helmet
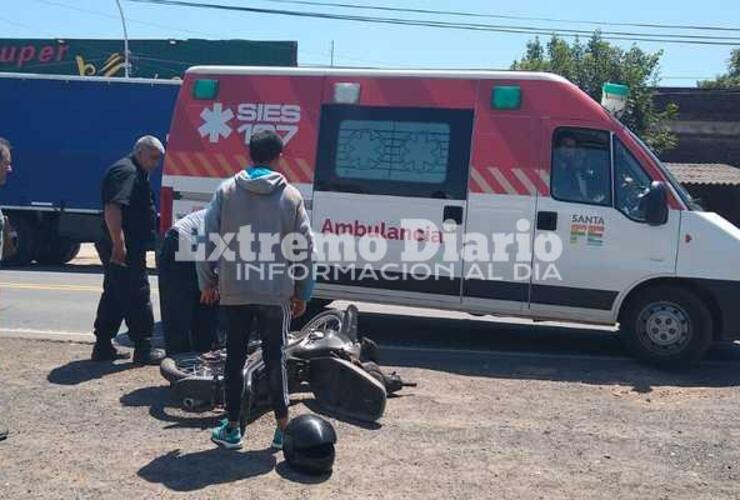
309,444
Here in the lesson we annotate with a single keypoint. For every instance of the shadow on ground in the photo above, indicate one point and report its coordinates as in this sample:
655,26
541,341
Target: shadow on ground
195,471
314,406
164,407
501,350
560,368
78,372
284,470
526,351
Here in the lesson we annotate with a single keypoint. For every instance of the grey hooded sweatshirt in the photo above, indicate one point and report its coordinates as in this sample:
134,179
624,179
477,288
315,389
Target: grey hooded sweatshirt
261,202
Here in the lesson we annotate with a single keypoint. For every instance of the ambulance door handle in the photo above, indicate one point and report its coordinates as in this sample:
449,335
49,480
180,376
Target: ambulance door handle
547,221
454,214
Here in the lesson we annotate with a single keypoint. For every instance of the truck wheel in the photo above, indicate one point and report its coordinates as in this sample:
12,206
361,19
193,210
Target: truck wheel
667,326
24,237
72,250
58,252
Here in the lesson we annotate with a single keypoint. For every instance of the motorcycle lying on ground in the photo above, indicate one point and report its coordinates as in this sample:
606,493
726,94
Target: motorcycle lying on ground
327,357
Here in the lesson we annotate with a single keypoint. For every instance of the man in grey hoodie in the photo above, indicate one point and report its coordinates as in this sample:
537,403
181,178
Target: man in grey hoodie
248,223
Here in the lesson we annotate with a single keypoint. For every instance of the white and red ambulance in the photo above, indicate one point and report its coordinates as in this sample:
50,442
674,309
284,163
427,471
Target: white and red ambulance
526,155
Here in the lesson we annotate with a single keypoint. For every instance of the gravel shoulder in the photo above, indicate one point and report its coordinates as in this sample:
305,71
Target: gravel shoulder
475,427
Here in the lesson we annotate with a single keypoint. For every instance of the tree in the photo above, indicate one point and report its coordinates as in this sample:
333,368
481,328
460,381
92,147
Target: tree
729,79
589,65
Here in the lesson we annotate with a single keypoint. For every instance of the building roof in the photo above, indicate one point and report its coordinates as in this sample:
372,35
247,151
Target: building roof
715,105
705,173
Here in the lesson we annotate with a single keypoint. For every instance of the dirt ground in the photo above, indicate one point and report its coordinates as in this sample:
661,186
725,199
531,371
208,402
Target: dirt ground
506,428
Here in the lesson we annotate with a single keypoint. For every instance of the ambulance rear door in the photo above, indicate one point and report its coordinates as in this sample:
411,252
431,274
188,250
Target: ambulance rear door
217,115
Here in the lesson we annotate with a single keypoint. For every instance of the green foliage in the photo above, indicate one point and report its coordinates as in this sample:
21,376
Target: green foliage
728,80
595,62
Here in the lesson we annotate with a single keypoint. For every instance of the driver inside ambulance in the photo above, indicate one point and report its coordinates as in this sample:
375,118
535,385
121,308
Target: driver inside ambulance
580,172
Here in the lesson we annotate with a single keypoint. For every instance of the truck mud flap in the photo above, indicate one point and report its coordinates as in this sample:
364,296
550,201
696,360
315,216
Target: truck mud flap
346,390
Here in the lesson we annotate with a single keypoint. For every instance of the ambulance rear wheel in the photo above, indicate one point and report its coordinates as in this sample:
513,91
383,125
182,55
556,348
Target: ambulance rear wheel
667,326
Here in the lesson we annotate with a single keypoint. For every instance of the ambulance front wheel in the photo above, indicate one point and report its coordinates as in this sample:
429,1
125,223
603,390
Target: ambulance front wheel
666,326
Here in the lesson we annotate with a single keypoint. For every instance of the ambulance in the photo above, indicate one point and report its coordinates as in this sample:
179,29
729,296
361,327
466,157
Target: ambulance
591,226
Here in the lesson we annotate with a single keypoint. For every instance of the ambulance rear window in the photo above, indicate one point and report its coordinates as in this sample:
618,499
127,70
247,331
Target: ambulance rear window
393,151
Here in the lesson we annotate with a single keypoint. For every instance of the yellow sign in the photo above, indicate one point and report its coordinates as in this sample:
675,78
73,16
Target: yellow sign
111,67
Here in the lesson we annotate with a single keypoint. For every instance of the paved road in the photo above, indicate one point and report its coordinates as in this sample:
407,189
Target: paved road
60,303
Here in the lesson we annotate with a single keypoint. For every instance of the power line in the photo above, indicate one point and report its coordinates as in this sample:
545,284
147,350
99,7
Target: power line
625,36
112,16
502,16
155,25
14,23
687,77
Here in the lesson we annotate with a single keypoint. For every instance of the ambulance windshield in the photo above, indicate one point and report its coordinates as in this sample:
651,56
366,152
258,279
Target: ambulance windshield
682,193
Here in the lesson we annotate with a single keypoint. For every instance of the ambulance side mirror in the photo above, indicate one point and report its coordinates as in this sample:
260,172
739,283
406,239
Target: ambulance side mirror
656,204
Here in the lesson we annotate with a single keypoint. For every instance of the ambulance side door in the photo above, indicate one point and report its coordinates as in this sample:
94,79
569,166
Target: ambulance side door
379,168
505,182
594,210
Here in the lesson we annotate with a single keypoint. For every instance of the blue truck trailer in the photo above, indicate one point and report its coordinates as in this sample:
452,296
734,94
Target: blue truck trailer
65,132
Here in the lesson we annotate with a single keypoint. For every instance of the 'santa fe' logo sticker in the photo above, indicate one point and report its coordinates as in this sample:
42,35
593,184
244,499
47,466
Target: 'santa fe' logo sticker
251,118
588,228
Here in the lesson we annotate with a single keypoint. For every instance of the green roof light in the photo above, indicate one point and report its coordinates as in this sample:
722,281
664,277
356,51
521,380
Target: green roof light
614,98
205,89
507,97
616,89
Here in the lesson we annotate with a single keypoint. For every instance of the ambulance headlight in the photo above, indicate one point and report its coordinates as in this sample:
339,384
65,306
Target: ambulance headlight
346,93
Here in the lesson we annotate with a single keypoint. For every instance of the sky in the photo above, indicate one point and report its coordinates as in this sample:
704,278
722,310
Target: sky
363,44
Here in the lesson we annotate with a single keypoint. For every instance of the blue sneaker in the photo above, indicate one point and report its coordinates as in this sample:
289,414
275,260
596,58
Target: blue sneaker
230,439
277,439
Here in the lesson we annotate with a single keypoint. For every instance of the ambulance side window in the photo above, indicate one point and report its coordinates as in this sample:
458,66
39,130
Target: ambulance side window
409,152
631,183
393,151
581,166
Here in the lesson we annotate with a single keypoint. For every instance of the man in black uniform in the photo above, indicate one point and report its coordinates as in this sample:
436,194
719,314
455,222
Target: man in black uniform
130,230
5,169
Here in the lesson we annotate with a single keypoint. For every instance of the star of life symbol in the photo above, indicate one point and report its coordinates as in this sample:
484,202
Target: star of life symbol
216,122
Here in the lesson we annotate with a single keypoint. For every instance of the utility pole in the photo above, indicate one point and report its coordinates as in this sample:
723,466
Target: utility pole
125,40
332,53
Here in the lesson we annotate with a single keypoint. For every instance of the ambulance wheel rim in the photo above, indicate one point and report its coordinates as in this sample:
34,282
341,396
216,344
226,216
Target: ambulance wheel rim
664,327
